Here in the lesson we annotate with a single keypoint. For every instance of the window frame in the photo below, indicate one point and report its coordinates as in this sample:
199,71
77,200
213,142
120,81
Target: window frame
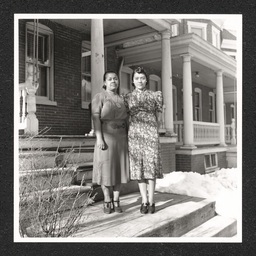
175,30
199,91
200,25
212,111
129,72
175,102
87,47
156,79
44,30
211,167
216,32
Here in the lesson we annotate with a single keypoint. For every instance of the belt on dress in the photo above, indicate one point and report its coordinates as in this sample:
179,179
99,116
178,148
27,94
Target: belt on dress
116,125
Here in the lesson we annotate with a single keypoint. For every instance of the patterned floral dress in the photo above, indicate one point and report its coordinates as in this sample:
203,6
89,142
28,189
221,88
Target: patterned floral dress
143,137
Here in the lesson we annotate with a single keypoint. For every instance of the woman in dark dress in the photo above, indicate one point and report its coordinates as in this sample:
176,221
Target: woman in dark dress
111,163
144,108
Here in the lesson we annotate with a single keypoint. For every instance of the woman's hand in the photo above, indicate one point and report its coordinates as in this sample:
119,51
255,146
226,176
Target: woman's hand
101,143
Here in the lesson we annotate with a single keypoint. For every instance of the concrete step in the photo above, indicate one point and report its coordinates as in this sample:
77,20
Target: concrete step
175,215
38,159
58,176
218,226
47,151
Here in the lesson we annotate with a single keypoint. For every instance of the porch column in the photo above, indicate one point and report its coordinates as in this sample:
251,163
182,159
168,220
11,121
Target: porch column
31,86
220,106
167,81
97,57
188,134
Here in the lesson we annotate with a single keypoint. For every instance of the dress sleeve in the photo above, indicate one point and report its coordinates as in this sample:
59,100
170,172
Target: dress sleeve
125,99
97,104
159,101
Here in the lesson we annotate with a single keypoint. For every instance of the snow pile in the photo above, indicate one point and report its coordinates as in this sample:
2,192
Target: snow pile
221,186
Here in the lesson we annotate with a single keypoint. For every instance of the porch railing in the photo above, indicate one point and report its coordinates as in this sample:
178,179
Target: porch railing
23,110
204,133
230,133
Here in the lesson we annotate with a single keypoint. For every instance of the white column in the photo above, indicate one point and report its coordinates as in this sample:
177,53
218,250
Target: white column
167,81
220,106
97,57
31,121
188,135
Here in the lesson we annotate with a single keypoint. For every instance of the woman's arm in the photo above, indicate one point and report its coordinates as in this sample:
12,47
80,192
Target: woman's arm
98,131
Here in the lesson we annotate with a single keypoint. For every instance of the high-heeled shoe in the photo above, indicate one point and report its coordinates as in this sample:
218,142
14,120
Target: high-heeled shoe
117,207
144,208
151,208
107,207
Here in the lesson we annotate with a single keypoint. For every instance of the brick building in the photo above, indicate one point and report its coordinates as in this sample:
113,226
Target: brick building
192,61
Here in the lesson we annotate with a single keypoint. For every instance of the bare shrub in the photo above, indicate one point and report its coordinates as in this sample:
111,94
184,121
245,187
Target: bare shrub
50,206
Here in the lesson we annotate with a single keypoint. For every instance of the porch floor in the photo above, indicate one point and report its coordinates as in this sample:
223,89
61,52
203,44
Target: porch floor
175,216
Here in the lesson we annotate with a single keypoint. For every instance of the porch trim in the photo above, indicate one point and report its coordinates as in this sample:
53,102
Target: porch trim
200,151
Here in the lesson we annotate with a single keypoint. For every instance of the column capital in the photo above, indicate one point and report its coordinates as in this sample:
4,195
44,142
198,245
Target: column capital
186,57
166,34
219,72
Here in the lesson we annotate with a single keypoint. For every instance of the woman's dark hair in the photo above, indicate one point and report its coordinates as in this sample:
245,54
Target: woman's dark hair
139,70
105,77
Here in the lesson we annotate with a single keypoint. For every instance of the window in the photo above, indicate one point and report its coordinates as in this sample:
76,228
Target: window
216,37
86,88
175,29
232,106
125,80
175,108
45,91
198,104
154,83
210,161
225,113
211,107
197,28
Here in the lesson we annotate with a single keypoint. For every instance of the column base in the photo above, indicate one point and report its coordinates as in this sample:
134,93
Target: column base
188,147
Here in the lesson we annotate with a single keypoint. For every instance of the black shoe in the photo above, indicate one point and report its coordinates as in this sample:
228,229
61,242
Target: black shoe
152,208
107,207
144,208
117,207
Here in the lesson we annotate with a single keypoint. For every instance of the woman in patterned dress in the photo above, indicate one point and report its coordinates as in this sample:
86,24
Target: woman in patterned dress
111,162
144,107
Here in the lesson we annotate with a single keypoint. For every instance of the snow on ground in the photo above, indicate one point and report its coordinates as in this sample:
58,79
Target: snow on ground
221,185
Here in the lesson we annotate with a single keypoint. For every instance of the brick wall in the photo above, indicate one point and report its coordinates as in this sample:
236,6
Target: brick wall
222,159
67,117
168,157
195,163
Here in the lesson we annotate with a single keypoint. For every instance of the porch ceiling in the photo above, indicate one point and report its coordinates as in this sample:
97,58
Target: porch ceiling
111,26
205,59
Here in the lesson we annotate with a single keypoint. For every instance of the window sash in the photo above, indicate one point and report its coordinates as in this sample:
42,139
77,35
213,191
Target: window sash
45,52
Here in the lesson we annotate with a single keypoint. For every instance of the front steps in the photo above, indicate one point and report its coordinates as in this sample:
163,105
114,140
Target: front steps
218,226
175,216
